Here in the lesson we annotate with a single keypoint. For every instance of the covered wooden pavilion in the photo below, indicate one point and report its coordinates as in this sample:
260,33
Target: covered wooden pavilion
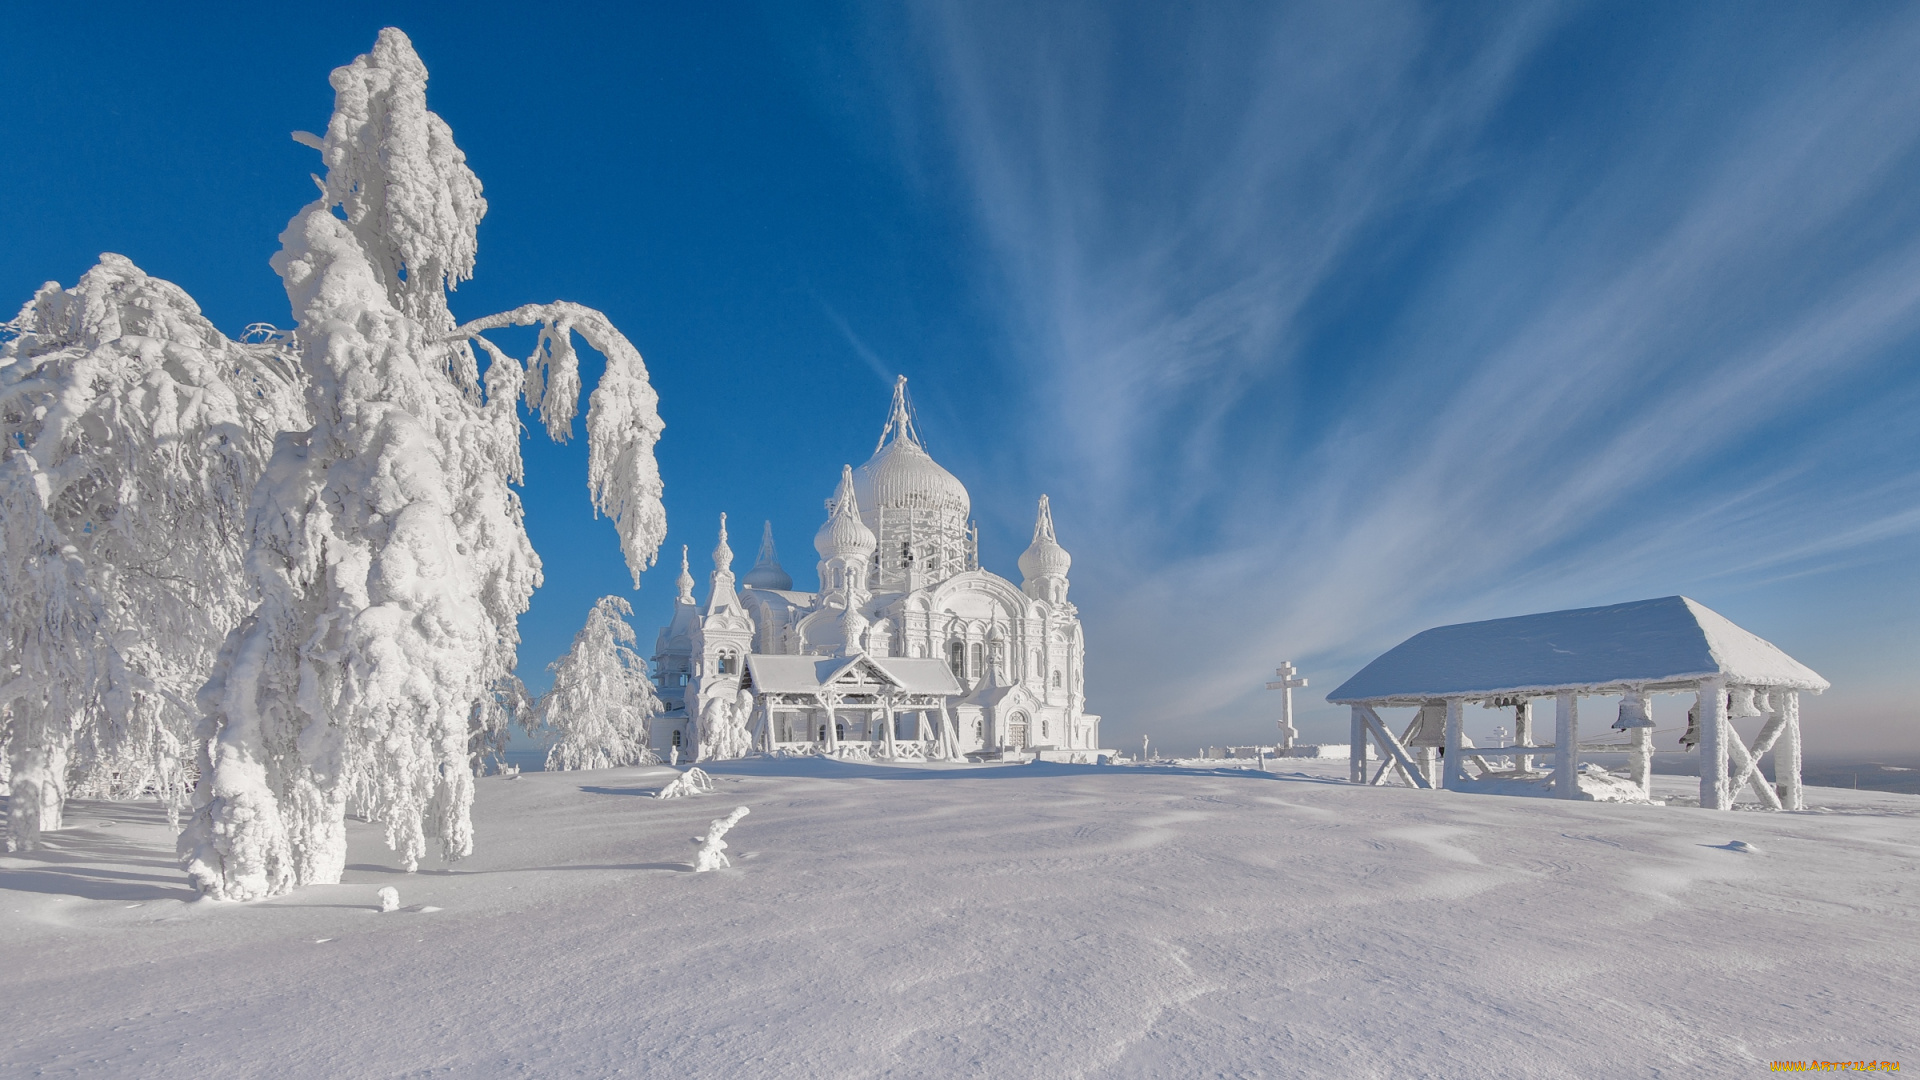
1671,645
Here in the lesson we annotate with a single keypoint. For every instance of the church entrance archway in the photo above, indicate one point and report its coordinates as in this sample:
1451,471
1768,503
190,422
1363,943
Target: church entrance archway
1017,731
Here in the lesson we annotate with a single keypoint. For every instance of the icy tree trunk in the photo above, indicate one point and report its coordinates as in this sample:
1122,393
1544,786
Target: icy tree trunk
1566,745
1714,794
1786,752
235,846
38,760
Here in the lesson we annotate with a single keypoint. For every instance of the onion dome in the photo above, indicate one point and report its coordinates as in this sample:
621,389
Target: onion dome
844,533
685,581
1044,557
901,475
766,572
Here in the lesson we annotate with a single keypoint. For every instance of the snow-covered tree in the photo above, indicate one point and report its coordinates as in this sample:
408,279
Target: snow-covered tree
505,707
387,542
598,713
132,430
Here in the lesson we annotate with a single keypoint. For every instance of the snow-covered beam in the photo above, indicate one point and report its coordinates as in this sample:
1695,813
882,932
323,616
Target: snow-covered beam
1746,770
1786,756
1566,745
1391,748
1356,745
1712,711
1455,764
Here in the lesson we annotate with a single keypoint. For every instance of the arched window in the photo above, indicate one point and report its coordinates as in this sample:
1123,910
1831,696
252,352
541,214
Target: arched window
1056,678
957,659
979,730
676,739
1043,729
839,730
973,667
823,733
729,662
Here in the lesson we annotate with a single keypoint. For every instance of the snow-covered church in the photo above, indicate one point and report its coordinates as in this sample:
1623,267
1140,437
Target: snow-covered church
908,650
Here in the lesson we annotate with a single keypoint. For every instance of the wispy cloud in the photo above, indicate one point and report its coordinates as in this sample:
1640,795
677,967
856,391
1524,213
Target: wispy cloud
880,368
1331,343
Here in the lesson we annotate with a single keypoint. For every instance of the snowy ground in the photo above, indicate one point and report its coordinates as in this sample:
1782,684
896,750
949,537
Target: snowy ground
1047,921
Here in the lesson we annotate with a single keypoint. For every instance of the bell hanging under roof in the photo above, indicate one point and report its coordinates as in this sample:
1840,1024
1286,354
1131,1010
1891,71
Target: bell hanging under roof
1634,713
1740,703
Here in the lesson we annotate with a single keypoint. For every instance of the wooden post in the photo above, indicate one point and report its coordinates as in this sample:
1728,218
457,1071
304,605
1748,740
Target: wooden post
1523,733
888,707
1640,759
1455,765
1566,745
1786,752
1712,704
1357,748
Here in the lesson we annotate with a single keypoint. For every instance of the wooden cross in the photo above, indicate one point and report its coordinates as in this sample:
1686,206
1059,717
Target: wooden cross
1285,685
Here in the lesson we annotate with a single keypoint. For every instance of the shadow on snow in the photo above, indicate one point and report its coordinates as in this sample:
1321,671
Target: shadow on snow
63,863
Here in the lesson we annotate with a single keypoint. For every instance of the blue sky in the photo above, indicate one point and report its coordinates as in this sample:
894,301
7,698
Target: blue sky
1320,324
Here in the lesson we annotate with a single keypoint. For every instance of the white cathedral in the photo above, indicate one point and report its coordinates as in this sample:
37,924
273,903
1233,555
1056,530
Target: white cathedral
909,650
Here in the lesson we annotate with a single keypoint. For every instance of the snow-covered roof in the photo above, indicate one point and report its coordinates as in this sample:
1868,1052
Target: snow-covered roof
1672,642
922,676
806,674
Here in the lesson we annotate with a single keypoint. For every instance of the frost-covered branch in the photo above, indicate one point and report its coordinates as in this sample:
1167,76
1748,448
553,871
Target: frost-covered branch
623,416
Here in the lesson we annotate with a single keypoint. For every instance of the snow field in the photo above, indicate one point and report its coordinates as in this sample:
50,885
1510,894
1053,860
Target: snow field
1014,921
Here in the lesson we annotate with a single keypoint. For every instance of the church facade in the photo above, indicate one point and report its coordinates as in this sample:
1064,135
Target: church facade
909,649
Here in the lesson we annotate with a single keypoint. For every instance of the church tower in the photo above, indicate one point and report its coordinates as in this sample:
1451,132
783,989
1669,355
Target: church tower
846,547
721,640
673,648
1044,565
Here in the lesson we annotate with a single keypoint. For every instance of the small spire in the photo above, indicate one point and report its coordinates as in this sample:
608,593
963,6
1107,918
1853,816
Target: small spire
685,580
722,554
1044,558
768,556
844,503
900,420
767,572
1043,525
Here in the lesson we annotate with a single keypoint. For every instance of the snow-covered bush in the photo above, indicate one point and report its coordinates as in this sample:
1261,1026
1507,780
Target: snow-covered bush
387,545
722,733
712,853
598,712
132,431
694,781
